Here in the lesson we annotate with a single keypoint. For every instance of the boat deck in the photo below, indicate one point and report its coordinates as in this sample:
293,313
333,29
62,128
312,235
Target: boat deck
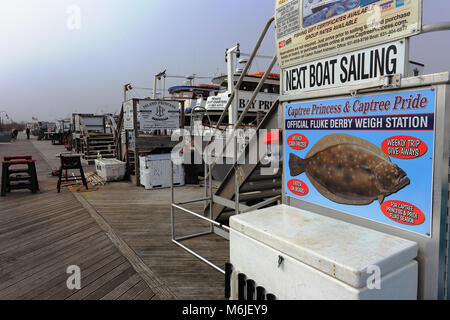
118,234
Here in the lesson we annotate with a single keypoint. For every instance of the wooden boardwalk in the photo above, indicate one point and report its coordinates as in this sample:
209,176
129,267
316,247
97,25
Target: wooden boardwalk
42,234
142,219
119,235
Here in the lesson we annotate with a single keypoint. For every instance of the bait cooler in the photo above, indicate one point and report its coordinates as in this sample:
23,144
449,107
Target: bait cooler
155,171
110,169
296,254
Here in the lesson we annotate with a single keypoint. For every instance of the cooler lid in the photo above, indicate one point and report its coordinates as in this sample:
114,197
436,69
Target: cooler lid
342,250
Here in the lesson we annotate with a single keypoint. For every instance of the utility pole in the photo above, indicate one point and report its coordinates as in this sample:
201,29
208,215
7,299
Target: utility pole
126,88
233,113
157,77
1,119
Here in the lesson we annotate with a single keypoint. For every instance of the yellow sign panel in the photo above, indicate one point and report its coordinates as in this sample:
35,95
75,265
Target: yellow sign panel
309,30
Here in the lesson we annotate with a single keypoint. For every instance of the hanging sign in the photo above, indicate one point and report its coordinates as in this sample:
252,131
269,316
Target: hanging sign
308,30
128,123
369,156
158,114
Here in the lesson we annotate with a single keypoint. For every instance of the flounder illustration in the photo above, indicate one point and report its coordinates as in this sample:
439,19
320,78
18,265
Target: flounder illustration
349,170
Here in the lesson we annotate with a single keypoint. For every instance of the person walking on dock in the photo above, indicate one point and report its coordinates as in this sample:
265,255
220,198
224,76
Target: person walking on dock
28,133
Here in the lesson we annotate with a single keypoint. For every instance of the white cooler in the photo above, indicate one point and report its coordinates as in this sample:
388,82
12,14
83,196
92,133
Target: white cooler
298,255
110,169
155,171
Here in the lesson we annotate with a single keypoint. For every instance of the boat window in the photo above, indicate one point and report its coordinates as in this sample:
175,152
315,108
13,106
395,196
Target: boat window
251,86
186,94
270,88
248,86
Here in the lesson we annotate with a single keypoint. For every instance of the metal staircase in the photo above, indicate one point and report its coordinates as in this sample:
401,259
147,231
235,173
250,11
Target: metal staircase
244,187
95,141
255,190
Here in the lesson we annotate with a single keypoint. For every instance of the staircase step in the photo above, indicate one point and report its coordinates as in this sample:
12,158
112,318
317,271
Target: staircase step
259,195
14,171
261,185
257,176
19,178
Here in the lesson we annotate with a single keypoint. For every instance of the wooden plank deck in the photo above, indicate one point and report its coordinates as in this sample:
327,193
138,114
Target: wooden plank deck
118,234
42,234
142,219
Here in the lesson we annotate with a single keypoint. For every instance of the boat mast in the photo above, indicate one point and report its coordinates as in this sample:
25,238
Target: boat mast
233,114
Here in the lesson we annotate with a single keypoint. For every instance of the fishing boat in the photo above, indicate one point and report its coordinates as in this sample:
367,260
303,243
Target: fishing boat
264,100
205,103
215,105
268,94
194,95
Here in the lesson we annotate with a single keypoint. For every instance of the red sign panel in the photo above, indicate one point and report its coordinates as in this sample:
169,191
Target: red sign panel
298,187
402,212
297,141
404,147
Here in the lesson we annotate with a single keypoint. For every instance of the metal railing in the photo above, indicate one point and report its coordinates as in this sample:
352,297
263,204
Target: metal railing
209,198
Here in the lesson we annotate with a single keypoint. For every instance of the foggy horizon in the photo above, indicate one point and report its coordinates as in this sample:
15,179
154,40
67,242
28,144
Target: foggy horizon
50,71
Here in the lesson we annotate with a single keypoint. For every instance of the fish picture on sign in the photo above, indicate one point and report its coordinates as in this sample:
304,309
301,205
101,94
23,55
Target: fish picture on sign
349,170
315,11
369,156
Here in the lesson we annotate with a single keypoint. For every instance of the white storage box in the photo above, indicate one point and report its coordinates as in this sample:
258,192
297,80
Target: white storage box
110,169
142,166
155,171
321,257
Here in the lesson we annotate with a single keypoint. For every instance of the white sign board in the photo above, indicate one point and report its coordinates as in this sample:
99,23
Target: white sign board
263,101
309,30
128,115
157,114
77,123
346,69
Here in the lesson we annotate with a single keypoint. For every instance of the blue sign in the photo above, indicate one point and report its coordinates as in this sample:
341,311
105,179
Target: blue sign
368,156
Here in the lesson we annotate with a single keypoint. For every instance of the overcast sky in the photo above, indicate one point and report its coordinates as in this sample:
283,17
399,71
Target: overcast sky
49,70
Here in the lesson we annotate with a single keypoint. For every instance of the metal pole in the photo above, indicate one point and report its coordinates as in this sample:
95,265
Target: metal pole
205,203
255,93
211,196
236,175
217,224
244,72
172,198
154,87
441,26
199,256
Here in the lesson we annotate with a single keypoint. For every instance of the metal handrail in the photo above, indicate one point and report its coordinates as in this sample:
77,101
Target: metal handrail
208,169
246,68
237,86
440,26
